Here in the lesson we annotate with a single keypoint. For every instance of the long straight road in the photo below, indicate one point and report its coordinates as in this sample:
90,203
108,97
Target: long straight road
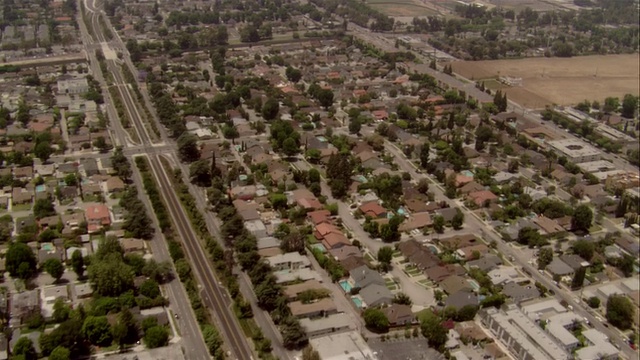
215,297
193,344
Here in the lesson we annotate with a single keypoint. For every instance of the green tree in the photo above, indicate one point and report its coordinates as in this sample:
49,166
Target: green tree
584,249
290,147
582,218
339,171
96,330
402,299
458,220
101,144
120,164
611,104
156,336
309,353
77,263
150,289
424,155
24,348
578,278
55,268
293,335
375,320
466,313
61,311
438,224
385,254
529,236
432,329
43,208
200,173
20,260
293,74
43,151
188,147
212,339
325,97
270,109
354,126
593,302
119,334
629,106
545,256
111,276
60,353
620,311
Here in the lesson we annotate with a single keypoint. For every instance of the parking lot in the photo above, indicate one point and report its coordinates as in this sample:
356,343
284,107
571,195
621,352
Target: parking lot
404,349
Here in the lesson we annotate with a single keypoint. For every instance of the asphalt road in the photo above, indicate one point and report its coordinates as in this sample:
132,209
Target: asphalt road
193,344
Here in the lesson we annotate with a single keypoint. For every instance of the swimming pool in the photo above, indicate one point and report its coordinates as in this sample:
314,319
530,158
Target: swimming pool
402,211
467,173
357,302
320,247
40,188
344,284
433,249
47,247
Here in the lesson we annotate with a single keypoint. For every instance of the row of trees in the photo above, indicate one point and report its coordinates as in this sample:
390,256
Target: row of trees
183,269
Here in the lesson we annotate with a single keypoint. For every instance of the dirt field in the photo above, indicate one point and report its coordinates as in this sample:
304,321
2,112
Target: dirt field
559,80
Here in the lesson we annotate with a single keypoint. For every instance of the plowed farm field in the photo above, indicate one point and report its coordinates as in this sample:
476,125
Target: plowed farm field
562,81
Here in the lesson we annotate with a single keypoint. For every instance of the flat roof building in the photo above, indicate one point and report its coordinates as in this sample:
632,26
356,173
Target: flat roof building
345,346
576,151
596,166
521,336
559,325
288,261
599,347
331,324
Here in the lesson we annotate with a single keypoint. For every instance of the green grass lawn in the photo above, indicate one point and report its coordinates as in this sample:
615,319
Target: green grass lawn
397,254
425,282
595,228
21,207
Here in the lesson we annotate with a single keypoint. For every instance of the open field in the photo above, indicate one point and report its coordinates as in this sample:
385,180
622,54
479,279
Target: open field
402,8
562,81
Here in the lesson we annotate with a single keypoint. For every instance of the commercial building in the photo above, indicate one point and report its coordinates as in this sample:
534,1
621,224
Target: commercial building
576,151
596,166
520,335
343,346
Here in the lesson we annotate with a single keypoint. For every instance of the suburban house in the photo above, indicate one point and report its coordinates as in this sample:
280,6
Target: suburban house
363,276
373,210
292,291
97,217
399,315
319,308
375,295
288,261
418,255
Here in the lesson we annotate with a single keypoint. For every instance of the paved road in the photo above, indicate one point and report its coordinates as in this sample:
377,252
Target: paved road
193,344
262,318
